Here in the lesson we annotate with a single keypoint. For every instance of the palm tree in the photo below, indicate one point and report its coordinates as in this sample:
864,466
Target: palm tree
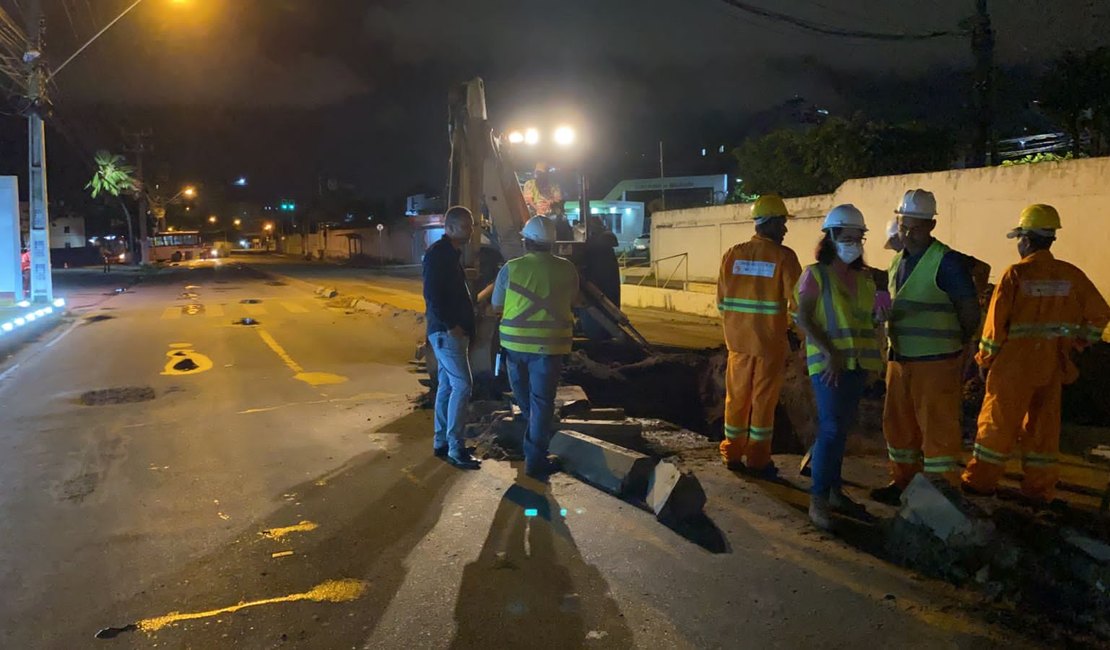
116,178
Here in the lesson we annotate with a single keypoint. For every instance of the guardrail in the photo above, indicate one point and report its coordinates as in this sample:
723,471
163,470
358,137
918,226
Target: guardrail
683,262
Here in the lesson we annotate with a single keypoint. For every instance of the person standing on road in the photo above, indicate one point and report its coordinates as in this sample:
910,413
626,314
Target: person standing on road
535,294
836,311
1042,311
933,320
755,292
450,318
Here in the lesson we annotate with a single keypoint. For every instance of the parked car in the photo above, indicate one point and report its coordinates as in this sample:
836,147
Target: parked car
641,248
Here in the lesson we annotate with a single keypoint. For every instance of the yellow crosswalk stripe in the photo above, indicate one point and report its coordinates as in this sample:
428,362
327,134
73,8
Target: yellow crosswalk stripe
293,308
170,313
213,310
255,310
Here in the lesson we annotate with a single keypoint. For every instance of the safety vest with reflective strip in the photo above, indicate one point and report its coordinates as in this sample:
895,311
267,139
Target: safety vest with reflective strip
923,319
847,321
537,314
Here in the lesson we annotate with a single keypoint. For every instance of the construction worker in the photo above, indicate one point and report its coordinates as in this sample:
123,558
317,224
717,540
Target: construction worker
933,319
535,294
836,311
541,193
755,293
1042,310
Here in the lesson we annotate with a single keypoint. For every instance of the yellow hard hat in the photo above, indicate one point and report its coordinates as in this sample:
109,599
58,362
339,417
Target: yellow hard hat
769,205
1039,218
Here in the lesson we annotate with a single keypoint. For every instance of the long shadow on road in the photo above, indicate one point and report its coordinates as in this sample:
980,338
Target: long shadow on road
530,586
370,515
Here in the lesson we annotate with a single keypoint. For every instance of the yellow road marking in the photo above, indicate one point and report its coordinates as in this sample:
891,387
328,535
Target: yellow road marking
177,354
181,345
332,591
293,308
278,533
171,313
281,554
310,378
255,310
213,311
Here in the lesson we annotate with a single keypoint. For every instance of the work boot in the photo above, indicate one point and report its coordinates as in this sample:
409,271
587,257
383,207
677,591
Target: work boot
843,504
819,512
975,492
890,495
440,452
463,460
542,470
768,472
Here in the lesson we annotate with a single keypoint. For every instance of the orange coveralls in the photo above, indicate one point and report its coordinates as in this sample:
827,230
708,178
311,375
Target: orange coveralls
755,293
1041,311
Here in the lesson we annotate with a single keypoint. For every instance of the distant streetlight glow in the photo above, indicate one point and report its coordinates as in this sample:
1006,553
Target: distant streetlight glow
516,137
241,181
564,136
238,222
212,219
532,137
189,192
268,227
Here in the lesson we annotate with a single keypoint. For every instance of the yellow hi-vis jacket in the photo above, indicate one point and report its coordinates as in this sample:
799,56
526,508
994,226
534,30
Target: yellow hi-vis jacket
537,315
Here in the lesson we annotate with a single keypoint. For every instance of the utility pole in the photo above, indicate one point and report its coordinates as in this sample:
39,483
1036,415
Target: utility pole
138,147
662,181
985,150
42,289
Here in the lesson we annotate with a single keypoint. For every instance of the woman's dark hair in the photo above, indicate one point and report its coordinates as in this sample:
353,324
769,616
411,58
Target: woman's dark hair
826,250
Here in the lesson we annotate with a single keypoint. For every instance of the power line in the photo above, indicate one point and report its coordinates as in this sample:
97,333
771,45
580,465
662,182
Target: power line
829,30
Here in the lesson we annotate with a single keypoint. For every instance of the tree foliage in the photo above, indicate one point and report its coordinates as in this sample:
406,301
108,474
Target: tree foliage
817,161
1076,93
113,176
1035,158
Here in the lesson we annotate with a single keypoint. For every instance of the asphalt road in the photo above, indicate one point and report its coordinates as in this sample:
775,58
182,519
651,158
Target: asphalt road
275,488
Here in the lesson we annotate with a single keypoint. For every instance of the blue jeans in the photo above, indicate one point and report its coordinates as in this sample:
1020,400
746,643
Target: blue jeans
453,390
534,379
837,408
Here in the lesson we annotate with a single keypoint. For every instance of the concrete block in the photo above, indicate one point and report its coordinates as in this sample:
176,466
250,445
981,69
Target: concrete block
609,431
368,306
672,495
618,471
571,400
1094,549
612,414
945,512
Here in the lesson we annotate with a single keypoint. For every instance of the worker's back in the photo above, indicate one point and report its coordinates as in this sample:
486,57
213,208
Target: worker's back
755,291
1043,308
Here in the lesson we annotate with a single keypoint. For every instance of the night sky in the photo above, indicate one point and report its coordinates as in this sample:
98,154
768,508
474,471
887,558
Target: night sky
286,91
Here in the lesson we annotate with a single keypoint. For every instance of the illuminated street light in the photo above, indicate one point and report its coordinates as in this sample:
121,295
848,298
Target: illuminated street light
516,137
212,219
241,181
268,227
564,136
238,222
189,192
531,137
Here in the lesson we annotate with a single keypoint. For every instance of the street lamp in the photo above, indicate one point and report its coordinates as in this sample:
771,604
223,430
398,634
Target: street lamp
189,192
238,222
212,219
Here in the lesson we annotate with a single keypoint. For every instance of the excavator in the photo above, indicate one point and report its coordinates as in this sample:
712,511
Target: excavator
481,178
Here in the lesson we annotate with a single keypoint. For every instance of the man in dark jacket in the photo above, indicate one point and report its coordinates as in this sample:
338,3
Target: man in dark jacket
602,269
450,319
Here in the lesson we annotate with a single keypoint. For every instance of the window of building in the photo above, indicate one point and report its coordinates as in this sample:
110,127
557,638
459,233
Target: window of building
65,229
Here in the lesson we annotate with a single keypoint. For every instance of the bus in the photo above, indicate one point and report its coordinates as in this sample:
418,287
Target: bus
179,246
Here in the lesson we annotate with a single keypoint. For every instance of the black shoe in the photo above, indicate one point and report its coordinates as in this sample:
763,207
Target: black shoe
463,460
542,470
967,489
768,472
441,452
890,495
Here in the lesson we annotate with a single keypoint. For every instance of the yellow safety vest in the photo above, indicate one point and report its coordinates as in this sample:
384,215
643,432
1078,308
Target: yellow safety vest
847,320
923,319
537,315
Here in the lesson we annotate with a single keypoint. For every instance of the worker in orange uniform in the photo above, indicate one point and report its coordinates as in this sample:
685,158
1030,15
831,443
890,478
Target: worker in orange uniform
755,294
933,321
1042,310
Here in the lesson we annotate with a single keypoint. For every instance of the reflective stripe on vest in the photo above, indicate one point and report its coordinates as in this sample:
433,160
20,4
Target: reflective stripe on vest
923,319
847,324
537,316
745,306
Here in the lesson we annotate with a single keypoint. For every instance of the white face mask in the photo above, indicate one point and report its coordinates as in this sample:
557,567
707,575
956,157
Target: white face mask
849,252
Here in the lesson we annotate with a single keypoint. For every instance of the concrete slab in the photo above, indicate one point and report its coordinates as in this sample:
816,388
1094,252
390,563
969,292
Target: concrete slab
609,431
618,471
612,414
945,512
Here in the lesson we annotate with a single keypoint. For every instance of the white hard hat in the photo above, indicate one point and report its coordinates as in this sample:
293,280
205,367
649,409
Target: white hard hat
844,216
918,204
891,233
539,229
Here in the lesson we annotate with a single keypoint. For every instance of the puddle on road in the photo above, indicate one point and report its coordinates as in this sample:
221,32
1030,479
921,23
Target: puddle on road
124,395
113,632
245,321
96,318
249,301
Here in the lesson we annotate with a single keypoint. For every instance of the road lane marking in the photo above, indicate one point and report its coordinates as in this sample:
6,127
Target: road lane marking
332,591
281,554
63,334
181,360
293,307
214,311
278,533
310,378
255,310
171,313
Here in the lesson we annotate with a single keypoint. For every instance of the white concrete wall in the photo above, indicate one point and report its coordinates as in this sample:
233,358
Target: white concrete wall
977,208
